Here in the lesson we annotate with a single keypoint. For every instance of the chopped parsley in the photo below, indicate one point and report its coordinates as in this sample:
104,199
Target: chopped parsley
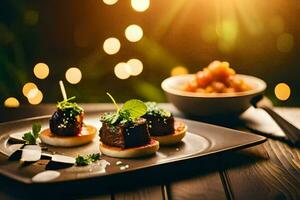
87,160
153,109
72,107
31,136
130,111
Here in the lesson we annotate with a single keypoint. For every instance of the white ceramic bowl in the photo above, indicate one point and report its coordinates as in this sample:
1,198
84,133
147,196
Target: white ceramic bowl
199,104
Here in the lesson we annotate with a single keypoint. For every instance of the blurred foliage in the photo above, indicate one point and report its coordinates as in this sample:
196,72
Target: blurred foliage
191,33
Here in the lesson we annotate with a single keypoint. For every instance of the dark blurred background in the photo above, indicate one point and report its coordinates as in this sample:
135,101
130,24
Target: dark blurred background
259,38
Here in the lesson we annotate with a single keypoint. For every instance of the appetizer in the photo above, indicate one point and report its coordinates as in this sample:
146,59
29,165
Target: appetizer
66,126
124,134
162,126
217,77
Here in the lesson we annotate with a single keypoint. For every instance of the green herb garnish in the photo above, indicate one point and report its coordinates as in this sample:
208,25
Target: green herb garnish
130,111
153,109
71,106
31,136
88,159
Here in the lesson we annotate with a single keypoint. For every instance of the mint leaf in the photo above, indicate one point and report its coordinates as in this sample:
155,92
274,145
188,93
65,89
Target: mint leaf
130,111
136,108
36,128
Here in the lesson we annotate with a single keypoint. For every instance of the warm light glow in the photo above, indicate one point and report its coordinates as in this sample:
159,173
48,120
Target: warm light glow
276,24
35,96
32,93
121,70
27,87
73,75
179,70
282,91
140,5
209,34
134,67
227,32
285,42
41,70
111,46
134,33
11,102
110,2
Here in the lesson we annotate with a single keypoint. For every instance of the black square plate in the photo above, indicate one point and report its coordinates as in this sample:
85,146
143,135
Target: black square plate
201,140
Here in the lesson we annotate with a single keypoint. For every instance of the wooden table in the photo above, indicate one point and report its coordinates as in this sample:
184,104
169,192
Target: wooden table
267,171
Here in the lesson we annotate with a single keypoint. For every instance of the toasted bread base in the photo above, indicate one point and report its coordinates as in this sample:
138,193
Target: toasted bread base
86,136
134,152
176,137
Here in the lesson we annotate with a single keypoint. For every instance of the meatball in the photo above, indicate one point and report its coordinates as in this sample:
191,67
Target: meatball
66,122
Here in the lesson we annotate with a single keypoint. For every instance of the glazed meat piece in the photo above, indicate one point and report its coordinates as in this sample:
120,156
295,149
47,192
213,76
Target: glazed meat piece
160,121
125,135
66,123
160,125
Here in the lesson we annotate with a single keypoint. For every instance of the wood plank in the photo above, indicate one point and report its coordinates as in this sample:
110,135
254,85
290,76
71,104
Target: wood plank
101,197
268,171
11,190
84,197
144,193
200,187
5,196
264,172
203,183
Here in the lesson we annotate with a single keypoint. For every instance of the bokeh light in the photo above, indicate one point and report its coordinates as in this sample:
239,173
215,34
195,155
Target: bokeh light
27,87
285,42
11,102
32,93
73,75
140,5
134,67
282,91
111,45
121,70
179,70
110,2
134,33
31,17
41,70
35,96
